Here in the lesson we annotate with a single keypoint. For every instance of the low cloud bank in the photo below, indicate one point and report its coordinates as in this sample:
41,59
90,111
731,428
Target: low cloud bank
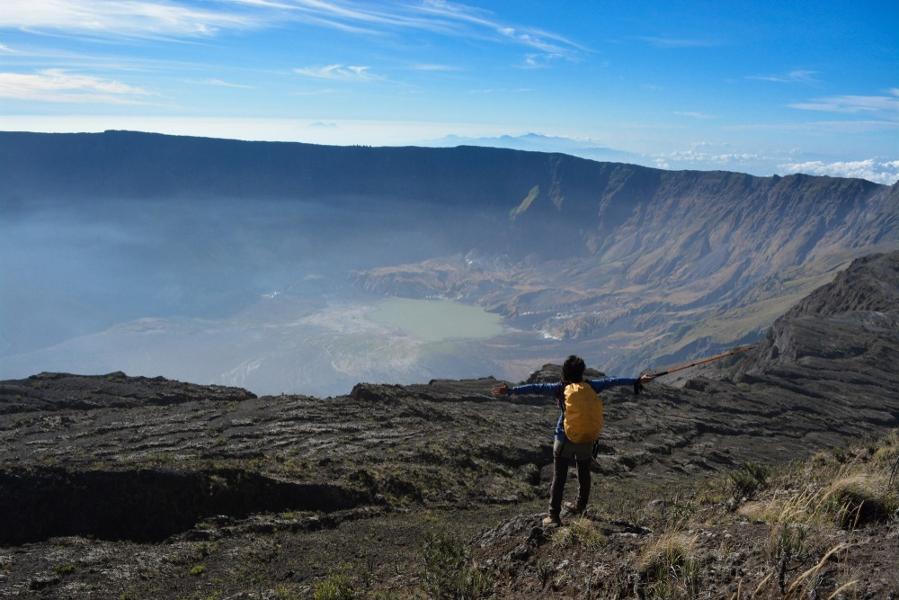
886,172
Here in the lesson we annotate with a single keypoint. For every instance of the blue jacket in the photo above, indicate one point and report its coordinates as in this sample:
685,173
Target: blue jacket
554,389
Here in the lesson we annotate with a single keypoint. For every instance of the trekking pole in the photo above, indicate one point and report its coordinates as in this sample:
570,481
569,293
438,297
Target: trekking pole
704,361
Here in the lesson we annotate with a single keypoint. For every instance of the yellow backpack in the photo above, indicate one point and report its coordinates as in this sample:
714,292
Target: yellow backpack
583,413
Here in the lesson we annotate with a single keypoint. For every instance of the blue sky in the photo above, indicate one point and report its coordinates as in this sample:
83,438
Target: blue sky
762,87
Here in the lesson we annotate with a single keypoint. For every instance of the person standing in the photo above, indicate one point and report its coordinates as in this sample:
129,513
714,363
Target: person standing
578,428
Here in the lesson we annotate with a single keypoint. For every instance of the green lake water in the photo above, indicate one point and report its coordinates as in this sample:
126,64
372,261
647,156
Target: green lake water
437,320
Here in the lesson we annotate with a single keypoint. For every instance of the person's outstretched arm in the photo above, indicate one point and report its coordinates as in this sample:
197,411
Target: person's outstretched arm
544,389
606,382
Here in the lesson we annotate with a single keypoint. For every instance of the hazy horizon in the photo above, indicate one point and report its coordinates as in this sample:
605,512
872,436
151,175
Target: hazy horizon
679,87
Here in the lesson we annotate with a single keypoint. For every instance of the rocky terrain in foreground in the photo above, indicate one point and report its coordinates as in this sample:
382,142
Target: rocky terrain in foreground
120,487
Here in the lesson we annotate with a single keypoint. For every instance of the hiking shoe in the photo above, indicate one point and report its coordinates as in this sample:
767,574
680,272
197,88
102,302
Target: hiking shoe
552,521
574,509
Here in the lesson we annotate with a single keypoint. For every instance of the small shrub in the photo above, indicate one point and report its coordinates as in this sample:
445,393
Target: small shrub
197,570
448,572
203,550
787,542
746,481
668,567
336,586
65,569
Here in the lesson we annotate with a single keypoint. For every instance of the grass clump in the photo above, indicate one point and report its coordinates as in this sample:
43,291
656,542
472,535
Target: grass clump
888,452
668,567
450,574
197,570
858,500
65,569
787,542
746,481
336,586
579,532
283,592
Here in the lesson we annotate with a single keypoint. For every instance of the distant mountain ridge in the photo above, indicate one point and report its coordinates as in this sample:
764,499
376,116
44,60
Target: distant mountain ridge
618,260
603,200
140,164
537,142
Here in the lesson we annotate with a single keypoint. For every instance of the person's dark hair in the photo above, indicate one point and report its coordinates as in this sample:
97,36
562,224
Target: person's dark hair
573,369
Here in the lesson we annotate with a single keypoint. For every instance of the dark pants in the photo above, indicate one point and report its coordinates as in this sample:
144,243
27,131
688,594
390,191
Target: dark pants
563,452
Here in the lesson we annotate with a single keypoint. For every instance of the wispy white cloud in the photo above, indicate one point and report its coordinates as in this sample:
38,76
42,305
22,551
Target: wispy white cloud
660,41
537,60
58,85
218,83
718,155
886,105
435,16
337,72
879,171
720,158
180,19
453,14
137,18
794,76
6,49
695,114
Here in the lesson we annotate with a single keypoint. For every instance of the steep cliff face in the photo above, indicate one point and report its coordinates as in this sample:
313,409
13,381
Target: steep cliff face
844,334
672,265
871,283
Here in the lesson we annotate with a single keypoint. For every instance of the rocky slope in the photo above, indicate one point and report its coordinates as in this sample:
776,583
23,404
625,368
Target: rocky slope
669,253
249,497
827,527
49,392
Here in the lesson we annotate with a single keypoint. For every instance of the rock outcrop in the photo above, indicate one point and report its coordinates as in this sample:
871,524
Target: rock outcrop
62,391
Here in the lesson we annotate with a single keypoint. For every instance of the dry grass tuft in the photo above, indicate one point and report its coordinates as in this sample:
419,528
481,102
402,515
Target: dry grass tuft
888,452
669,567
858,500
579,532
811,574
787,542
